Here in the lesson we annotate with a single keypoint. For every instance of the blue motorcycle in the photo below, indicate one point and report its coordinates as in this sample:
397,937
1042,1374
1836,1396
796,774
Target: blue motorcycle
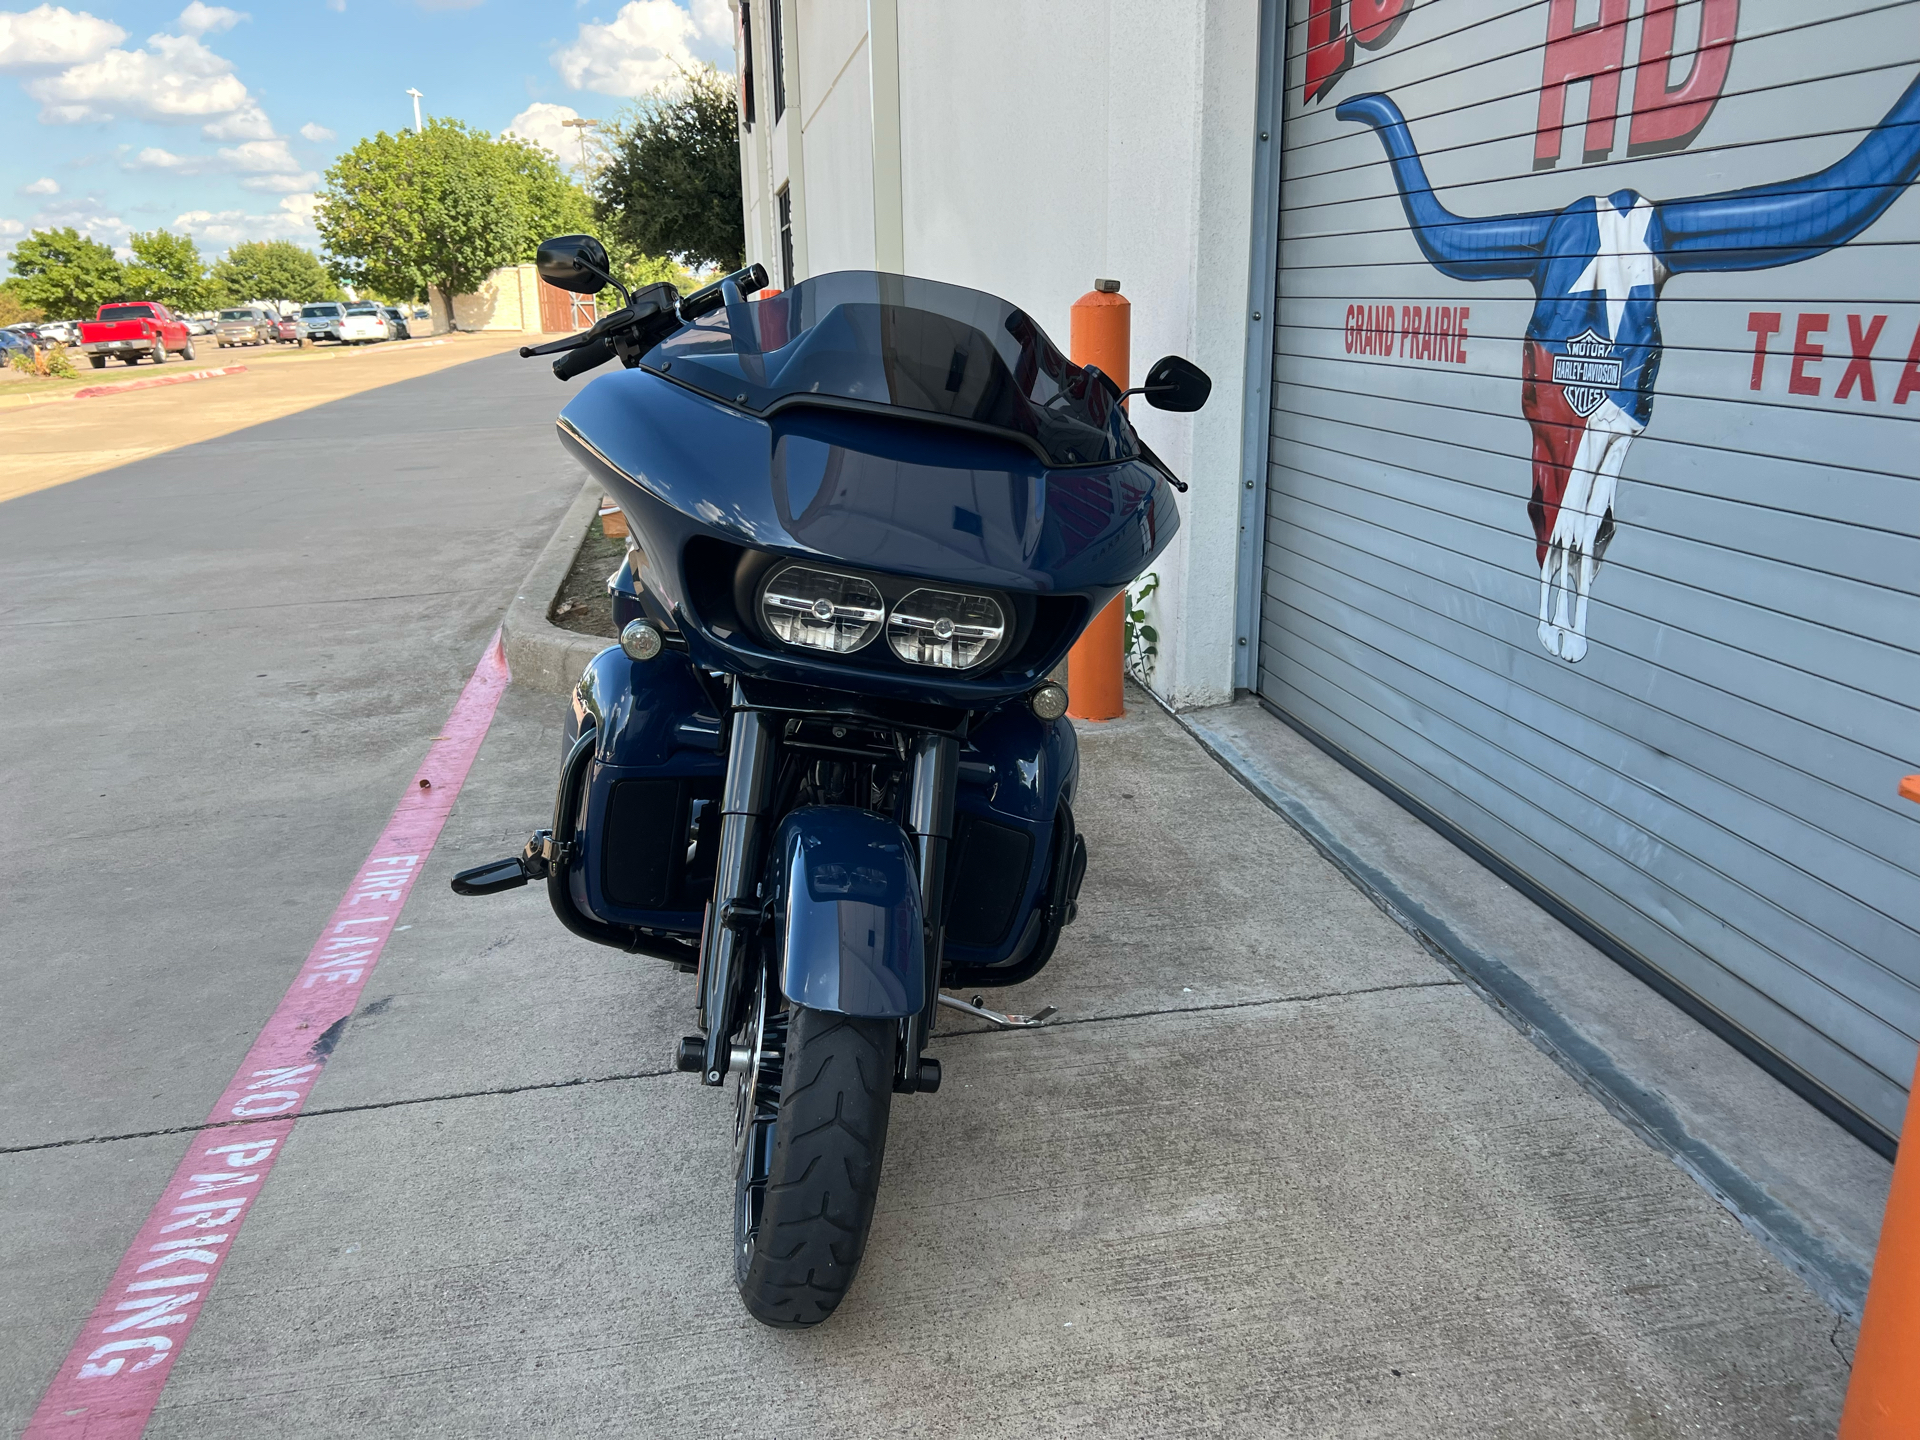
826,771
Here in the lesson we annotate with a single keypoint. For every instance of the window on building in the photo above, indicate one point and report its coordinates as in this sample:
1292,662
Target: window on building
776,52
785,199
746,64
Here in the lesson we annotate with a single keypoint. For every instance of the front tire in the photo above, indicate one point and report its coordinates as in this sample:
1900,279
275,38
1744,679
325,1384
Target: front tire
802,1211
187,353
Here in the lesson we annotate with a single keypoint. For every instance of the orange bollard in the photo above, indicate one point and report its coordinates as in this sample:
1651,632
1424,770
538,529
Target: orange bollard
1883,1397
1101,333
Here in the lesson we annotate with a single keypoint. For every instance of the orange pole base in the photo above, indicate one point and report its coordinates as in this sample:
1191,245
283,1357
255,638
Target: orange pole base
1094,667
1883,1397
1101,334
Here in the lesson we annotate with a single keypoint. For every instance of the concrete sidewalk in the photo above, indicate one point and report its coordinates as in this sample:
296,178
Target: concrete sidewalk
1278,1173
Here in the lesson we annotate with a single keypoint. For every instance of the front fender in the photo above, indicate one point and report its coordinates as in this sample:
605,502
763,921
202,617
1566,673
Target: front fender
852,936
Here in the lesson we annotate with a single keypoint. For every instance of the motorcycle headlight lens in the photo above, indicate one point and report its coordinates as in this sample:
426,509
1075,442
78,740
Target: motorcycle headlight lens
939,627
822,610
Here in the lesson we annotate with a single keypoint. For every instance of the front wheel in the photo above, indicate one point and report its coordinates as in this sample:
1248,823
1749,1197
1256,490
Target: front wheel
187,352
808,1161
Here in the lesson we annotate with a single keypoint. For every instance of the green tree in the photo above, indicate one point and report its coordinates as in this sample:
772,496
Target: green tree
66,274
671,183
444,207
14,310
168,268
276,270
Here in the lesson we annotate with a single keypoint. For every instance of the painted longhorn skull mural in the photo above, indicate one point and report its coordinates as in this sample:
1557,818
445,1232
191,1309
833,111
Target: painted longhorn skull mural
1592,348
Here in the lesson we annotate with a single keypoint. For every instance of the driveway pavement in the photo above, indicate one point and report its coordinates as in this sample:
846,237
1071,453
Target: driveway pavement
1278,1173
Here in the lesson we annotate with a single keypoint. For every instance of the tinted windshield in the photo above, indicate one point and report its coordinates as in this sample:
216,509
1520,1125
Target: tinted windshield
919,345
318,312
363,309
125,312
236,314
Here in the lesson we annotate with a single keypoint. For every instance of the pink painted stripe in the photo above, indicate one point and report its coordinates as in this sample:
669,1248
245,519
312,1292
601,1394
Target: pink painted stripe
111,1380
90,391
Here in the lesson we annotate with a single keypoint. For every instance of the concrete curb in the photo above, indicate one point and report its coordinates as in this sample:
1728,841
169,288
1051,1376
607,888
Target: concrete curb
117,387
540,654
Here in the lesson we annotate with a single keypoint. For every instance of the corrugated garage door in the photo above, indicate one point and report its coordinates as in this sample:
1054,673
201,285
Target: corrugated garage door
1577,346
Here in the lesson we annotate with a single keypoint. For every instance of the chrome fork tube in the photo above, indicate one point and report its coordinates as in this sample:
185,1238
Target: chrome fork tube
935,778
744,802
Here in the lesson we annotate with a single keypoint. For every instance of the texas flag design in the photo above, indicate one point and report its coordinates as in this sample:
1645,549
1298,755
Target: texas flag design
1591,356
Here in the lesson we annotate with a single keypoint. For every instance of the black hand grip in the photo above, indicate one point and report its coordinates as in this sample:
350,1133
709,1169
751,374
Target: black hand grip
576,362
709,297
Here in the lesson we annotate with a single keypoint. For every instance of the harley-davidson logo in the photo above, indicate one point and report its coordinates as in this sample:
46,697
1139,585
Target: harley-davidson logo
1586,372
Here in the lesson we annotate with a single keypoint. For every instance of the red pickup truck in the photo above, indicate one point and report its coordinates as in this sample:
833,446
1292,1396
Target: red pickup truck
127,329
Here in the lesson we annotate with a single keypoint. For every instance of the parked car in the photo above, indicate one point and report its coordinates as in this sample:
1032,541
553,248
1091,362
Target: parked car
13,343
397,318
287,328
245,325
200,324
321,320
364,323
126,330
53,332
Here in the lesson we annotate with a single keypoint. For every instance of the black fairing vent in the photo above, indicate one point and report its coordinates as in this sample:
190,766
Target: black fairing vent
986,880
659,842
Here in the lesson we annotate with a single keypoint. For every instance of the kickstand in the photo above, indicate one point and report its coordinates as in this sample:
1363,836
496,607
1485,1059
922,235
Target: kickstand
1009,1022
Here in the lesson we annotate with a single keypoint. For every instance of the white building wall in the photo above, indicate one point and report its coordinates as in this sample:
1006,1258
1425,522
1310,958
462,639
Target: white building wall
1043,145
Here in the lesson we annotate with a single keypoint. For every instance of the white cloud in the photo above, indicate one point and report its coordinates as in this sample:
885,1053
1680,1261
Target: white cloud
11,229
154,158
52,35
540,123
260,157
646,45
714,20
198,19
176,79
292,220
43,186
315,133
266,165
85,214
282,184
249,122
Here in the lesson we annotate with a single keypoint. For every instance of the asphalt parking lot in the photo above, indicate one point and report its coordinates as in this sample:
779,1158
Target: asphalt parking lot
1277,1172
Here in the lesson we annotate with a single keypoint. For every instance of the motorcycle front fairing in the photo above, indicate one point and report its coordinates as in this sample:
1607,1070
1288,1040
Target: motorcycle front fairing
909,501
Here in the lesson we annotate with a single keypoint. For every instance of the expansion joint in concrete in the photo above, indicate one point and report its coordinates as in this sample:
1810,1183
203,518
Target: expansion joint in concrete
1265,1002
319,1110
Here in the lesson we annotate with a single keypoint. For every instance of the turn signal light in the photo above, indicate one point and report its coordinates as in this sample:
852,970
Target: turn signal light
640,640
1049,702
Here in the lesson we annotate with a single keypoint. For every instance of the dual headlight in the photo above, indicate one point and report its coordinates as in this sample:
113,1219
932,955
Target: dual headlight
825,610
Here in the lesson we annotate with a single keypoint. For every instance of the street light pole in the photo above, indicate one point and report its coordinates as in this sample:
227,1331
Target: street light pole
417,127
582,124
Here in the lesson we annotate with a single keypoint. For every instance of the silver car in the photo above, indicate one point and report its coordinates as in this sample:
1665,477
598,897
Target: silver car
245,325
322,320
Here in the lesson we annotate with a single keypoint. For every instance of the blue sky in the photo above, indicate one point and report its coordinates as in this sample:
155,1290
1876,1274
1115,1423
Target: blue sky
220,120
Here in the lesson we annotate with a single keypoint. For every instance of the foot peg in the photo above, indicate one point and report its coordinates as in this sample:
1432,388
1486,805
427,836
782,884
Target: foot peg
1005,1021
541,855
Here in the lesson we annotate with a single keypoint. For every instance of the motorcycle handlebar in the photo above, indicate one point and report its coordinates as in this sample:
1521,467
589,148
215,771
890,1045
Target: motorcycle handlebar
711,297
582,355
576,362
